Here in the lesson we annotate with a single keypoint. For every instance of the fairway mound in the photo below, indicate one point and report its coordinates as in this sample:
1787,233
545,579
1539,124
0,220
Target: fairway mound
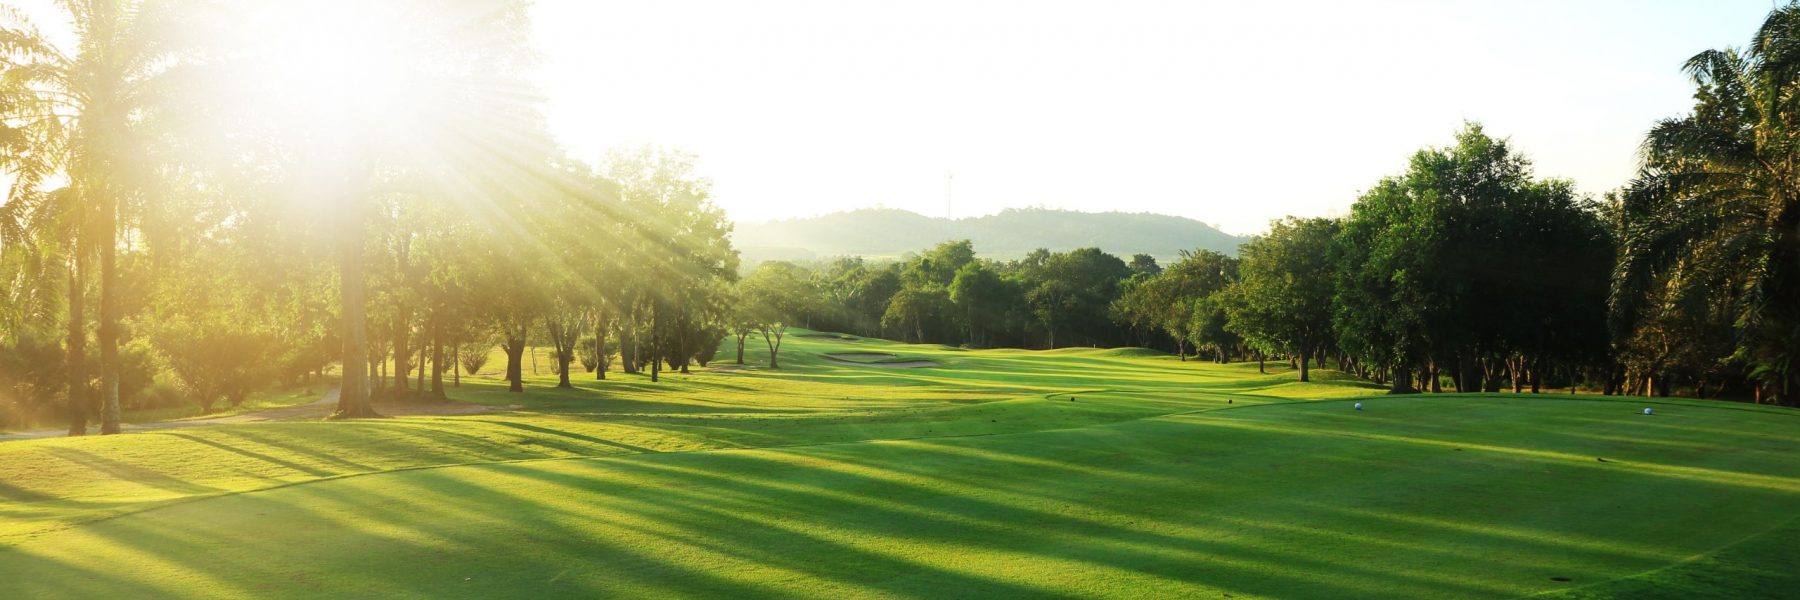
1131,352
881,360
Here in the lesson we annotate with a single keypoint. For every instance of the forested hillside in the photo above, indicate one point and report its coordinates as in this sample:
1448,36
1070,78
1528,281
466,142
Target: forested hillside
1011,234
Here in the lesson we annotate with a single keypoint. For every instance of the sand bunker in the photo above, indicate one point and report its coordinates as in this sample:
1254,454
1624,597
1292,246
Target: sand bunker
828,336
879,360
860,356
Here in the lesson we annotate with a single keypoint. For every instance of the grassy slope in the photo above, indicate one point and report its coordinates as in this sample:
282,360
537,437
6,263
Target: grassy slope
988,481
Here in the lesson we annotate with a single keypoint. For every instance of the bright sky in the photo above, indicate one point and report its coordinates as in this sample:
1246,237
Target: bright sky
1233,113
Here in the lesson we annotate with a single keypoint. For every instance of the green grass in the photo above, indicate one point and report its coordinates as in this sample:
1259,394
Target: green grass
278,397
998,473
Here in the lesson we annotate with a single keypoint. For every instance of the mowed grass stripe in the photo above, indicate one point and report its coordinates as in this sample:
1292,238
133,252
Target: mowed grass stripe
53,483
1244,502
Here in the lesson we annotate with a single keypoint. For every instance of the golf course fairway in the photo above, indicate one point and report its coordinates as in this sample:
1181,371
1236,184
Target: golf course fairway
1069,473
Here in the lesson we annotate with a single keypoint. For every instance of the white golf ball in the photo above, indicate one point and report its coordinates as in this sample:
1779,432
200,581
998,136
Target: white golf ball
1647,410
1359,406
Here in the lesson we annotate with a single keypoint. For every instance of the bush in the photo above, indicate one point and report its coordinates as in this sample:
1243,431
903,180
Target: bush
584,348
161,394
474,356
137,371
31,379
294,361
217,361
709,339
555,362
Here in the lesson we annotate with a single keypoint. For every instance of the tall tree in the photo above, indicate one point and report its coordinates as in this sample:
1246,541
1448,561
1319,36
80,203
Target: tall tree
84,115
1286,283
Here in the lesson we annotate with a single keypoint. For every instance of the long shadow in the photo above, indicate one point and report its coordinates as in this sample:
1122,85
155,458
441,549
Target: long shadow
14,493
316,472
569,434
249,432
129,472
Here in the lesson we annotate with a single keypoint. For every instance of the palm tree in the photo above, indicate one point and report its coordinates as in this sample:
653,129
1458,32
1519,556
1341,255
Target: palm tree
1714,217
80,115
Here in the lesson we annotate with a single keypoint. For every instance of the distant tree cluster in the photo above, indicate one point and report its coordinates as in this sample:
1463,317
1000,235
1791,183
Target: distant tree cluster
948,295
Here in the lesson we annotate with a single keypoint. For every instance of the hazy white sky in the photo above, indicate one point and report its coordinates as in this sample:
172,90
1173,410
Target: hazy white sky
1228,112
1233,113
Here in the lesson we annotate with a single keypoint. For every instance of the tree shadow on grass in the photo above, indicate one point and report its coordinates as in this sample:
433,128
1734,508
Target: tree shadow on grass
570,435
315,472
1163,506
123,470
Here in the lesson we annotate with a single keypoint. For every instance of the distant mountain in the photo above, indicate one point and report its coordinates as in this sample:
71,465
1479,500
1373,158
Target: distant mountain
886,232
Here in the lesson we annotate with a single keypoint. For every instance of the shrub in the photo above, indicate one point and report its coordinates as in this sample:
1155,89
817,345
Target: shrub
584,348
31,379
160,394
137,371
708,347
474,356
217,361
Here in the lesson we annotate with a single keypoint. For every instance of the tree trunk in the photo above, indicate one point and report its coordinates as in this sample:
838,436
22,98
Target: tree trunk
656,366
599,349
419,390
109,313
740,346
628,347
402,354
774,343
437,361
1305,369
563,359
77,352
1403,381
353,390
1536,379
515,368
456,365
1515,367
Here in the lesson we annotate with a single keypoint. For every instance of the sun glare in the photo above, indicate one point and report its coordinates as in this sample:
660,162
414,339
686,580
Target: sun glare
341,69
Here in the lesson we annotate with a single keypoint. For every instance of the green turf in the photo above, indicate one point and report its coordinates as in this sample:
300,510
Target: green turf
998,473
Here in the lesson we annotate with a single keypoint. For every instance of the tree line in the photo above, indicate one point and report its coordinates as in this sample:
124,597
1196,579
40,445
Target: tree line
1464,272
177,228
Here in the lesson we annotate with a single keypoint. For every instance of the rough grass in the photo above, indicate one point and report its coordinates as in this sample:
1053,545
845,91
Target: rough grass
1001,473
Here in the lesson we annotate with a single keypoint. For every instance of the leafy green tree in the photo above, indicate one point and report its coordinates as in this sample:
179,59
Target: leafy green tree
1072,295
1285,287
1144,264
1166,300
911,309
773,296
981,297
